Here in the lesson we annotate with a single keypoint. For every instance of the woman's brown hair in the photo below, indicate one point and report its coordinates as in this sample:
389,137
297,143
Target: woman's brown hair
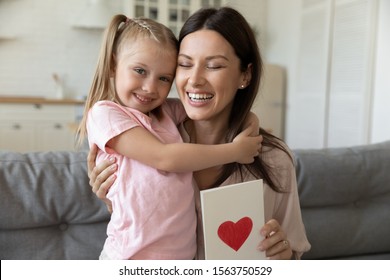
235,29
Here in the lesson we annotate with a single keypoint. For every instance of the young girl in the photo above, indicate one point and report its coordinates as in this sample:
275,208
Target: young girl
128,117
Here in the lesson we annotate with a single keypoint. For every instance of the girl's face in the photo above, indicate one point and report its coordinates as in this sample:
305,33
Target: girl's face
208,75
144,74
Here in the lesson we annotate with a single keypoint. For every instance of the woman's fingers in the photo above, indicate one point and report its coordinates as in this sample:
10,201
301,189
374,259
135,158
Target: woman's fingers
102,176
91,160
101,189
275,242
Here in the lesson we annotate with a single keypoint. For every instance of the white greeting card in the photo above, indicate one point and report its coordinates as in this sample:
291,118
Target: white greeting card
232,218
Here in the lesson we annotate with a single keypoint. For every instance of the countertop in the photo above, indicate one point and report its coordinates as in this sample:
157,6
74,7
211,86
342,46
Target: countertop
39,100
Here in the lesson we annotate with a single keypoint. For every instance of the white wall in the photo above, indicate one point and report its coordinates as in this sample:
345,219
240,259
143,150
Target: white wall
45,43
282,48
255,13
381,102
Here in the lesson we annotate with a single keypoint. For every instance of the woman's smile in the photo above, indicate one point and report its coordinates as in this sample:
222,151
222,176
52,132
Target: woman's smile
199,97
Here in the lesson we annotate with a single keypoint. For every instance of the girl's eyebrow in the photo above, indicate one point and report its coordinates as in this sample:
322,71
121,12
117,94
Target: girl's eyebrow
207,58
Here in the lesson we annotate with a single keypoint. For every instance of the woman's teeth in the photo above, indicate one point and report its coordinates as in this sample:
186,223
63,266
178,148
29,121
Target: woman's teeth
199,96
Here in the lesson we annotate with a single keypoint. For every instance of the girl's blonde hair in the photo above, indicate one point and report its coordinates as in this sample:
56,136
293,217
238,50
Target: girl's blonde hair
118,35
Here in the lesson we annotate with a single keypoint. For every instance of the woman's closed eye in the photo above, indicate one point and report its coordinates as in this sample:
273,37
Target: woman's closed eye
215,66
184,64
211,67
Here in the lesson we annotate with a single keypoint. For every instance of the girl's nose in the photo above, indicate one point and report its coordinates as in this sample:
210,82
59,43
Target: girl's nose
149,86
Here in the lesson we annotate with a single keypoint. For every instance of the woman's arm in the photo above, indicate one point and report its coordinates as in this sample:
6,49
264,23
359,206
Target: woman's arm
101,177
139,144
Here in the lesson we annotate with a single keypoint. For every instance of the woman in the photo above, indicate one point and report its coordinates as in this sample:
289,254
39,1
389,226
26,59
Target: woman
217,78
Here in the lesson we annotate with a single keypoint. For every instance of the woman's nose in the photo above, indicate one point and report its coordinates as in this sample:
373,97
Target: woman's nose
196,77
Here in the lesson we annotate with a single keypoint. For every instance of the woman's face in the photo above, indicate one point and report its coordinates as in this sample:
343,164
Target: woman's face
208,75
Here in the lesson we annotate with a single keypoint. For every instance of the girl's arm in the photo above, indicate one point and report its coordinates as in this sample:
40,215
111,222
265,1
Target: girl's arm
139,144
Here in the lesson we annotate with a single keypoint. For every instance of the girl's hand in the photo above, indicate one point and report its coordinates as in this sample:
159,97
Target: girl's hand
275,243
101,177
248,146
253,122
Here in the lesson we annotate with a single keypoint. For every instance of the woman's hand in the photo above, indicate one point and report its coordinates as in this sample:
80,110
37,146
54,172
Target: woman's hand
101,177
275,243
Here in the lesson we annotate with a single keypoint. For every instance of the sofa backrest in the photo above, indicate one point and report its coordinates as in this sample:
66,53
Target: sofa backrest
48,210
345,200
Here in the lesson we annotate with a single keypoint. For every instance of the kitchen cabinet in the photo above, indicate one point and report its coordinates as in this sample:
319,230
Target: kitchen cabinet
172,13
38,125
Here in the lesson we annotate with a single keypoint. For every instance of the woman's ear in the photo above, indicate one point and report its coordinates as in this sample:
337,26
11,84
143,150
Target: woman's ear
248,74
246,77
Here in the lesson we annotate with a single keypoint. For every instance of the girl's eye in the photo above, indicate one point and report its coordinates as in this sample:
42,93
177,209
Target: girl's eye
165,79
140,71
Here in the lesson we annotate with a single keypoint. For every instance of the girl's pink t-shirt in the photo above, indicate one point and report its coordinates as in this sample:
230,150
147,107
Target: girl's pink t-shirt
153,211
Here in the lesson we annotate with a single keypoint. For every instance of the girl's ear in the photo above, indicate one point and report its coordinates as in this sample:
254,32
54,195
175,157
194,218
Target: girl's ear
246,76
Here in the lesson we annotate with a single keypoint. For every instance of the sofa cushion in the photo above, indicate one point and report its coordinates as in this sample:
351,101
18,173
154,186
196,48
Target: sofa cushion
48,208
345,200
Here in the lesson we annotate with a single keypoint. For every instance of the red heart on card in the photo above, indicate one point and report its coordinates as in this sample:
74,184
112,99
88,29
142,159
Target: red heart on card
235,234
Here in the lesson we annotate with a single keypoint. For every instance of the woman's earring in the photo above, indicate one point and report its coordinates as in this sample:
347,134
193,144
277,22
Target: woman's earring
242,86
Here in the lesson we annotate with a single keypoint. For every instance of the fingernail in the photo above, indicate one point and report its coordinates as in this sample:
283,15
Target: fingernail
112,159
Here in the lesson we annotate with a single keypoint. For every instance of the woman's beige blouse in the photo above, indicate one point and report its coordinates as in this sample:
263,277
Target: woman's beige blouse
284,207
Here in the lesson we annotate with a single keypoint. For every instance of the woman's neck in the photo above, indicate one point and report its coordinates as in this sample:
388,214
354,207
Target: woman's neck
206,132
210,133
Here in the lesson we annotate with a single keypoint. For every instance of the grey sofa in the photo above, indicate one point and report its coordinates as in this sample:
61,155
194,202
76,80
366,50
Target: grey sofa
48,210
345,201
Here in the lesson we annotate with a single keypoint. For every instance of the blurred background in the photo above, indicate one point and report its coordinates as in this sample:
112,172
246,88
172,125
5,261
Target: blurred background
327,66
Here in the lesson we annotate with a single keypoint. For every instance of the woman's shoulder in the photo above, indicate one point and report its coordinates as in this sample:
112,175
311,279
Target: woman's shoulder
280,162
277,152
